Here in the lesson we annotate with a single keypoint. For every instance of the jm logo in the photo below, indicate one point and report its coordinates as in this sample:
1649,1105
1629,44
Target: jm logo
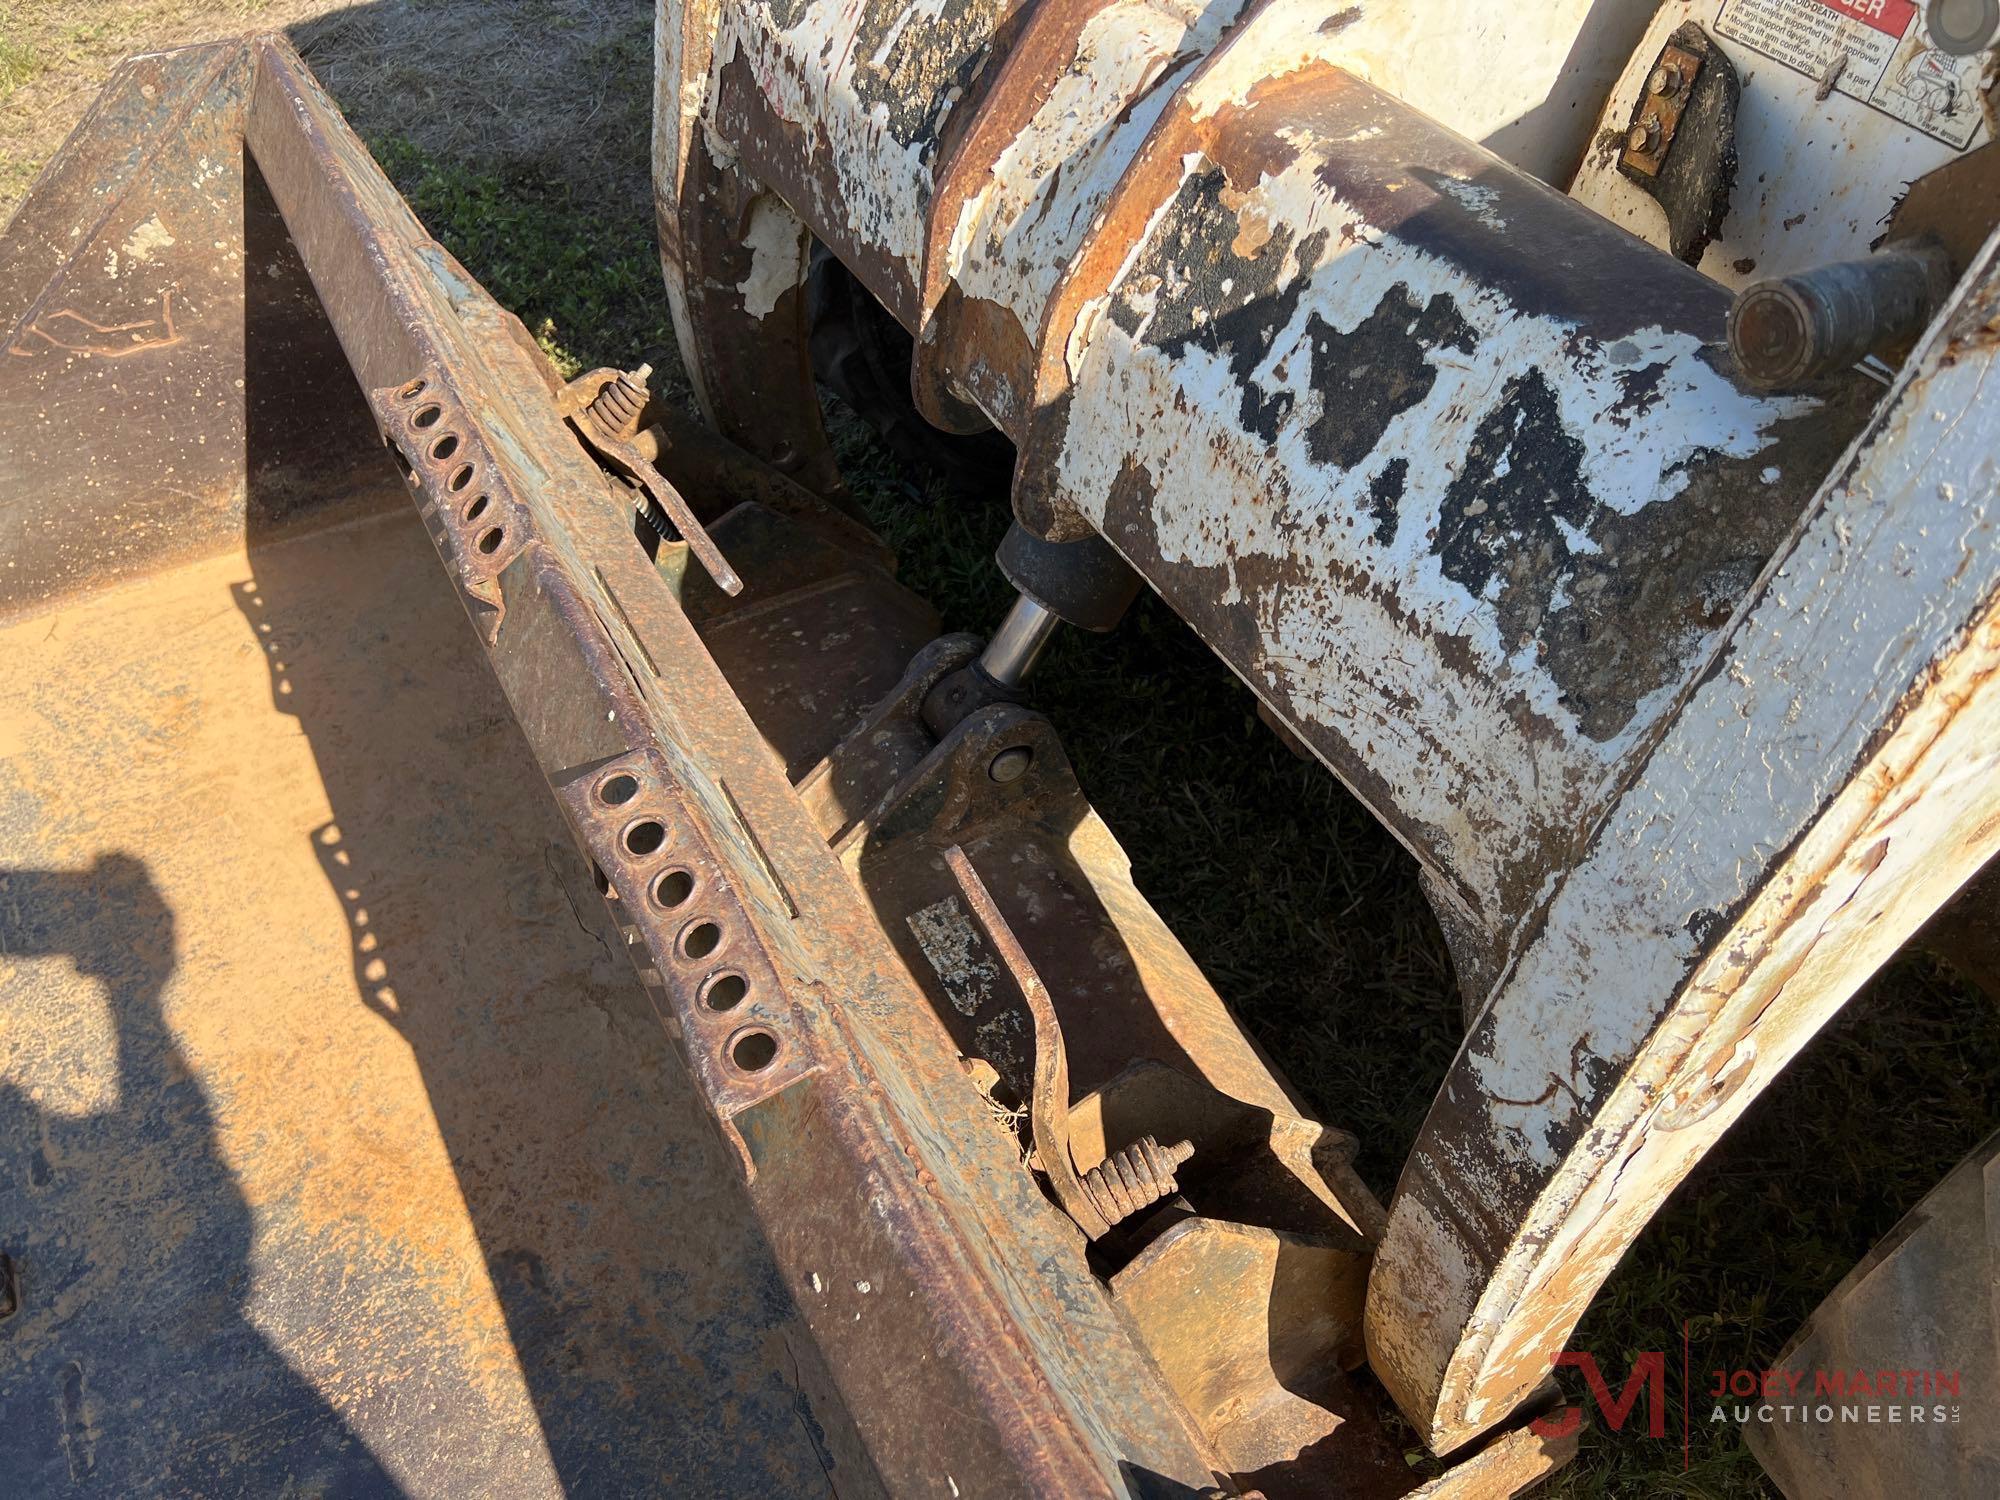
1648,1379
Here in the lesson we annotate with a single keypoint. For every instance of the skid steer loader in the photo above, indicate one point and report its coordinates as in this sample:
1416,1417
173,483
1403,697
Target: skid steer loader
1574,423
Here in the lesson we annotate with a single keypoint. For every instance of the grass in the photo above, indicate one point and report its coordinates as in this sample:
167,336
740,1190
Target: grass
1303,912
18,63
584,280
562,85
1308,918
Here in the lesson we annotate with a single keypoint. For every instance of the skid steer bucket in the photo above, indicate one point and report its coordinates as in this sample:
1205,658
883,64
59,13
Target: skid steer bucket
225,330
166,357
339,1147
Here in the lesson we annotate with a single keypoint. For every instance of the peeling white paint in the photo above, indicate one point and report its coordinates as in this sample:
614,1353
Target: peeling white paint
1021,229
1354,641
808,76
777,256
148,240
1831,788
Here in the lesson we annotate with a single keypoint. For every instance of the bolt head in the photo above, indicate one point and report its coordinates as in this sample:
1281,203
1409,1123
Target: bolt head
1011,765
1643,137
1666,80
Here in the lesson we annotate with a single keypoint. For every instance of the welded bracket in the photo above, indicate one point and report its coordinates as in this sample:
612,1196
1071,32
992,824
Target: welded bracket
1048,1105
676,905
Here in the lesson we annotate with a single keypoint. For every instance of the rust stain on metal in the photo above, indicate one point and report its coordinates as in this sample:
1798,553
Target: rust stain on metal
1669,87
1048,1104
1498,545
285,1166
1785,837
847,1078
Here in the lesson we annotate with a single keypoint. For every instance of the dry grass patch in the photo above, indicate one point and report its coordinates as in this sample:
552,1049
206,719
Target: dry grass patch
563,85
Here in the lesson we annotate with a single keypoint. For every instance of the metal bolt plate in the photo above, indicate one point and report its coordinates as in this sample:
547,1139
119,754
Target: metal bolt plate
1669,87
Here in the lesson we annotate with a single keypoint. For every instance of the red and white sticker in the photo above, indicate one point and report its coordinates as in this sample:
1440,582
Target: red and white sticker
1890,17
1876,51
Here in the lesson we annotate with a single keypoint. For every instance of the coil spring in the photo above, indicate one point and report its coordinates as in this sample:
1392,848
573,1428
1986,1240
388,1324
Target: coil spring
1135,1178
619,403
617,409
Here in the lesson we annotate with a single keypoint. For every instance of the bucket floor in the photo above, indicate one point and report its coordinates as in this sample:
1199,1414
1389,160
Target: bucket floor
340,1152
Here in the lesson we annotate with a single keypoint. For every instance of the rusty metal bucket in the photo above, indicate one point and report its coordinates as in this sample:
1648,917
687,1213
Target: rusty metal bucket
341,1153
349,1157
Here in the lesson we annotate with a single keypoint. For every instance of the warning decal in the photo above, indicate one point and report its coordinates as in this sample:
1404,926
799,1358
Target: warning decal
1876,51
1890,17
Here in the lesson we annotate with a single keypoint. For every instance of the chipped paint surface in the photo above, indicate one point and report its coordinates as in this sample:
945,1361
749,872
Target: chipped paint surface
777,256
1493,489
946,934
1284,38
1825,789
872,85
726,251
1508,448
966,1264
1019,230
147,240
1427,445
1456,476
